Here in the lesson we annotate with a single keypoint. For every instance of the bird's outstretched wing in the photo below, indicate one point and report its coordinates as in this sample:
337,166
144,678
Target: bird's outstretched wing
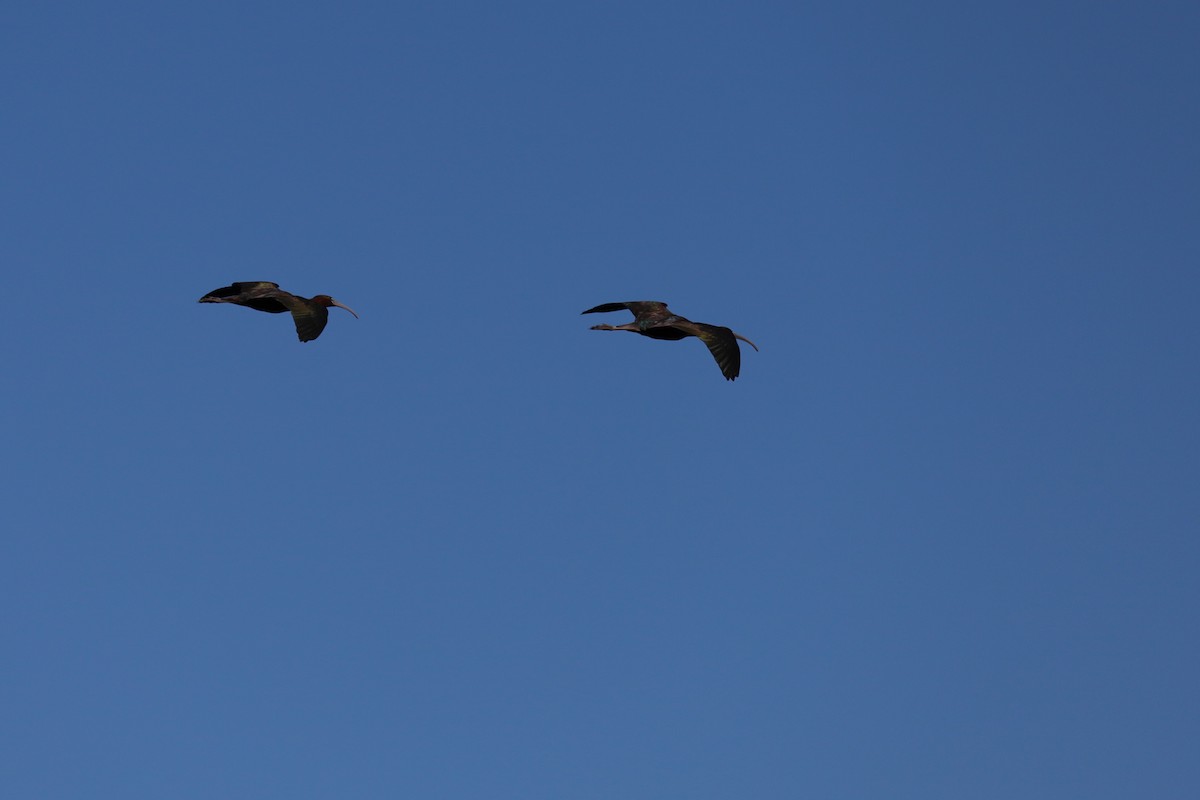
259,295
640,308
243,288
310,317
720,341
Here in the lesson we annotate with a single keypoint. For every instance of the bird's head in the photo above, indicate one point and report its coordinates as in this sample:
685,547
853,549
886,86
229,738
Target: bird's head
328,301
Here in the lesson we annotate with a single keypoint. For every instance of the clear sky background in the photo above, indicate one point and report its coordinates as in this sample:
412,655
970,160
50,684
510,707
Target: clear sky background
938,541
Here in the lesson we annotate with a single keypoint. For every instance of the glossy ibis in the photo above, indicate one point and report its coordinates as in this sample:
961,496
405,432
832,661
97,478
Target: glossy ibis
652,318
310,315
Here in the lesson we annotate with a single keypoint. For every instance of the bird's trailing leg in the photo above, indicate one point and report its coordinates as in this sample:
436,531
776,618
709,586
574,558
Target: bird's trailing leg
630,326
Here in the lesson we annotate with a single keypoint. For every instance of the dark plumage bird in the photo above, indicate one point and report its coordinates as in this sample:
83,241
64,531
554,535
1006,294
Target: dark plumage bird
652,318
310,315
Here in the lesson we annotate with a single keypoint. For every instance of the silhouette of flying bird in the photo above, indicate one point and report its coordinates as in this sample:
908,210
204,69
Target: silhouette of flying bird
309,314
652,318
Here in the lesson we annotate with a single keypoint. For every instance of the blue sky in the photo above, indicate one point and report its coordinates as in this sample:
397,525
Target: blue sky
938,541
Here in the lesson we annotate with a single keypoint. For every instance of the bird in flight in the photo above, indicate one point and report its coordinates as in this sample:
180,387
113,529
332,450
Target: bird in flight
652,318
309,314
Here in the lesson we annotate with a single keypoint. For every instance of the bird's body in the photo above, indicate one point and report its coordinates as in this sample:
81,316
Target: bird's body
309,314
652,318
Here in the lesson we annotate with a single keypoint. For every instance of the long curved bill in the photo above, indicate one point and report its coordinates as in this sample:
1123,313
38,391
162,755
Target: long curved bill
333,302
744,339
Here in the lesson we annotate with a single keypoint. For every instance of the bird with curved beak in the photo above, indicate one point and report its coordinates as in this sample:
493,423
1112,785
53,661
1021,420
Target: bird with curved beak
309,314
652,318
